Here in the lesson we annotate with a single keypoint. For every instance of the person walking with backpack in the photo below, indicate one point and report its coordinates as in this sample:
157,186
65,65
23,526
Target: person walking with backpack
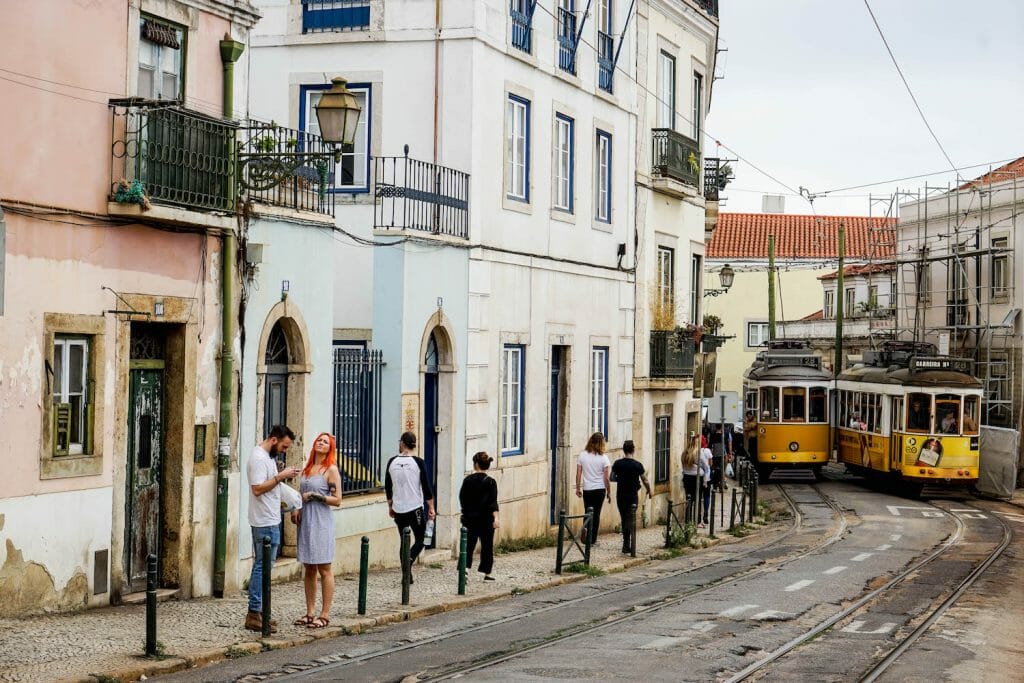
479,499
628,473
408,488
592,483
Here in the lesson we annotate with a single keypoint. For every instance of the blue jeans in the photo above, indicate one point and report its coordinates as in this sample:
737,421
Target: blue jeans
256,577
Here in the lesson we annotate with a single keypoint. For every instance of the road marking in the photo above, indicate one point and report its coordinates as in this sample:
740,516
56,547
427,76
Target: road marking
894,510
771,614
664,643
883,547
702,626
736,611
895,537
856,626
835,570
799,585
861,557
973,514
1014,517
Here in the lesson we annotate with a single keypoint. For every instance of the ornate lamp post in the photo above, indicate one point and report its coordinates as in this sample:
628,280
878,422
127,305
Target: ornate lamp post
725,276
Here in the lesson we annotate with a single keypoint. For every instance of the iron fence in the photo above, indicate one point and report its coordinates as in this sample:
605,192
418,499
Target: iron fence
675,156
167,154
713,178
605,57
668,361
566,40
286,167
357,417
521,12
418,195
335,15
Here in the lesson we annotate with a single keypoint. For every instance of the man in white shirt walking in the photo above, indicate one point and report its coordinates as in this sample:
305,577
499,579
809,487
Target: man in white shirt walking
407,487
265,512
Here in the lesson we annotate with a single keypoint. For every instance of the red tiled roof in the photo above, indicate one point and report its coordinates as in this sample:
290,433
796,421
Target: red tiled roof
866,269
745,236
817,315
1014,169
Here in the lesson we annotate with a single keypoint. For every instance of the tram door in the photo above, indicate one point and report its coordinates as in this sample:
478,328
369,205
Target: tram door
895,441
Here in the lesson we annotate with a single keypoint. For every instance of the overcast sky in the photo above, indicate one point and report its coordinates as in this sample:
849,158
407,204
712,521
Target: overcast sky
810,95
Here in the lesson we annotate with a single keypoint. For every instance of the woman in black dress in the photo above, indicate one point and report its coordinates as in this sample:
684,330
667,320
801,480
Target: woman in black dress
479,499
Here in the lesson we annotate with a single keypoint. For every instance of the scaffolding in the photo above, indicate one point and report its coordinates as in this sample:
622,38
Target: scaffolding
954,275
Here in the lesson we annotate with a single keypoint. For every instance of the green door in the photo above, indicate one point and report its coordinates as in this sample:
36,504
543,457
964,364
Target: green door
145,457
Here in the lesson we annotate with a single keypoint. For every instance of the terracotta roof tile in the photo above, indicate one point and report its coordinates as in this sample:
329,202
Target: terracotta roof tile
817,315
745,236
1014,169
865,269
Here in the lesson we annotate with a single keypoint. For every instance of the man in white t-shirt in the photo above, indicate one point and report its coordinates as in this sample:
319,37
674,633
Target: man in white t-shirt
407,487
265,512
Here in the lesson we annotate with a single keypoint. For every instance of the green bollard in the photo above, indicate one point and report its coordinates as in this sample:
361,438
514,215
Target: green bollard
462,560
151,581
364,572
711,515
632,535
588,520
732,512
561,540
268,567
406,564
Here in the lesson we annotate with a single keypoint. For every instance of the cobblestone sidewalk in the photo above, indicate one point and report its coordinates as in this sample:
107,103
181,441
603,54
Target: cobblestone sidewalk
106,643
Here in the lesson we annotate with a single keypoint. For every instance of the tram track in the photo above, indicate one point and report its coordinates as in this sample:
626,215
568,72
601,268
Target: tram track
762,665
641,610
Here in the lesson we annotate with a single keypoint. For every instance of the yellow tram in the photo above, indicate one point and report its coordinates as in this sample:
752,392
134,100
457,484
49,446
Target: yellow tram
786,406
908,414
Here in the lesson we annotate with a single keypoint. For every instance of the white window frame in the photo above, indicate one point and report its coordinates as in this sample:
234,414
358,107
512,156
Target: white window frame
761,328
62,393
603,176
513,365
666,276
666,91
829,309
565,130
698,107
359,151
599,390
849,301
159,52
517,148
1000,278
696,288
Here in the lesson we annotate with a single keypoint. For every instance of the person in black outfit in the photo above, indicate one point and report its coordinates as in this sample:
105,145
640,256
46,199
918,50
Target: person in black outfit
628,472
479,499
718,447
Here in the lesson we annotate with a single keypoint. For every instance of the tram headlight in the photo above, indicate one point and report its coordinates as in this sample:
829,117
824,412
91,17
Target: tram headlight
794,446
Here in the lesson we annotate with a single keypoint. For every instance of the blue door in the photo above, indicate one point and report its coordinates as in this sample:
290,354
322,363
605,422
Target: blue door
430,424
557,392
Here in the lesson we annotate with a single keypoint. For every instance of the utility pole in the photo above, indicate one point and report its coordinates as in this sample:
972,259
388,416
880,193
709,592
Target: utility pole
839,301
771,287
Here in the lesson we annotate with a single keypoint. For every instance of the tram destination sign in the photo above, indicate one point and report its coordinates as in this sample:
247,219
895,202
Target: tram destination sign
798,361
919,363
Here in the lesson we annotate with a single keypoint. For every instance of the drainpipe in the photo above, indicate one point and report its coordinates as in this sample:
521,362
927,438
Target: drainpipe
230,51
437,66
771,287
840,297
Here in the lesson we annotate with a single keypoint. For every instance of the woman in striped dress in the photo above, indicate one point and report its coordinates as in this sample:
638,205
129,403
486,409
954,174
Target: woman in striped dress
321,493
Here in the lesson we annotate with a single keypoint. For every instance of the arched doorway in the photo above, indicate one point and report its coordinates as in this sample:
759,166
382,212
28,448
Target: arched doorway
431,426
437,424
277,358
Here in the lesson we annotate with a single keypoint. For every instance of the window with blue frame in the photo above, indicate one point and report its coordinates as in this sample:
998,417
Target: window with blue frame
605,44
513,366
567,35
517,148
599,390
565,129
353,171
603,177
335,15
521,13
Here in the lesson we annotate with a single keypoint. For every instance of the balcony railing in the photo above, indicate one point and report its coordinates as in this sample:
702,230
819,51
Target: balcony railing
286,167
566,40
417,195
713,178
521,12
335,15
177,156
675,156
605,57
709,6
667,361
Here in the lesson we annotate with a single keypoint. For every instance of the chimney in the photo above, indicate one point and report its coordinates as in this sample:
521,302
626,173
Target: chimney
773,203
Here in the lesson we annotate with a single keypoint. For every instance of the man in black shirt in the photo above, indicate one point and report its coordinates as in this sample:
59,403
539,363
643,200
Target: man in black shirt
628,472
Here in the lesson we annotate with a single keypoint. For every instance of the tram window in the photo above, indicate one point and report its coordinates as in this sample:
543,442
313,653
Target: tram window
817,405
919,415
752,400
947,414
971,405
845,397
873,412
794,404
769,404
897,415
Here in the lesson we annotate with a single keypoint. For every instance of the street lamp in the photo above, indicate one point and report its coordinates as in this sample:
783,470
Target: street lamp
338,114
725,276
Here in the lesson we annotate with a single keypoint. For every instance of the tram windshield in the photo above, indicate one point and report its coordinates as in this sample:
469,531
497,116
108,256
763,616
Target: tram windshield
919,413
794,402
947,414
769,404
971,406
817,405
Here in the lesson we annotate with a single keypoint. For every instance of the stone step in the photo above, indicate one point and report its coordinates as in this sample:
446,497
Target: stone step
162,595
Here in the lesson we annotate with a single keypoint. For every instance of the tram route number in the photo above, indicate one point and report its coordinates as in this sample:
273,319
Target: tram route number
894,510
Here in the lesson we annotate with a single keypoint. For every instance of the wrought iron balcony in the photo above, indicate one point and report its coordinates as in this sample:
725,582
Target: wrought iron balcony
566,40
714,181
709,6
521,13
418,195
319,16
675,156
166,154
605,61
667,361
286,167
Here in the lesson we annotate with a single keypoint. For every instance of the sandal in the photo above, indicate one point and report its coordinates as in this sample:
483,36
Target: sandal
319,622
304,621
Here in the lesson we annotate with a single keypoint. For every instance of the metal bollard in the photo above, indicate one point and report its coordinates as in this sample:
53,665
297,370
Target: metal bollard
743,508
561,540
711,516
406,564
753,491
463,542
268,568
732,512
364,572
151,606
588,520
668,526
632,536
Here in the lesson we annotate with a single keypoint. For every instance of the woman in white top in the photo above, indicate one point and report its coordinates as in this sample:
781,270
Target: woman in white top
705,468
592,482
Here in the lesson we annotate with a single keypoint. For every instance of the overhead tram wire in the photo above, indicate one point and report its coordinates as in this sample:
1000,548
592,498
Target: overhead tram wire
909,91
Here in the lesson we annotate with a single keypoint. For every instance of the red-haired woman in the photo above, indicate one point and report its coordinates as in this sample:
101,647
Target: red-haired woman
321,491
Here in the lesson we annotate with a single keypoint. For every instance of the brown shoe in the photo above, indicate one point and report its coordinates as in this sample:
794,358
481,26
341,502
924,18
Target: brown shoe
254,622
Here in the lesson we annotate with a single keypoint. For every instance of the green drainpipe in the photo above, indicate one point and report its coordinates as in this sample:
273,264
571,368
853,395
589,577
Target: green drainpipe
230,51
771,287
840,298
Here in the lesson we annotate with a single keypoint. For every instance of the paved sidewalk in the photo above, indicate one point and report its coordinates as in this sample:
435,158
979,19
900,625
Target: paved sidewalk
106,643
